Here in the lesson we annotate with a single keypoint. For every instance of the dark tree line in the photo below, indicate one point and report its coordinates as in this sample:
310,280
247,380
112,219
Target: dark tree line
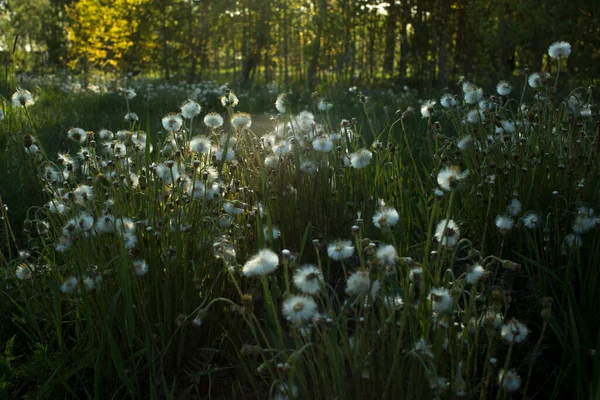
425,44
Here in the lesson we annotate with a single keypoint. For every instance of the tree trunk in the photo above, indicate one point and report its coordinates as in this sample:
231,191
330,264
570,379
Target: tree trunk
390,39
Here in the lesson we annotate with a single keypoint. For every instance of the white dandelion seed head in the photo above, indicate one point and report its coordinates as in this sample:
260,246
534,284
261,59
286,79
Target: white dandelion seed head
559,50
308,279
280,103
359,284
531,220
220,154
447,100
449,177
263,263
282,148
200,145
514,331
322,144
535,80
503,88
475,116
509,380
190,109
475,274
386,216
232,209
574,240
172,122
274,229
473,94
213,120
427,108
340,250
140,267
504,223
464,143
241,121
387,255
168,172
324,106
24,271
229,100
441,301
271,161
131,116
77,135
22,98
308,166
361,158
69,285
449,236
299,309
514,208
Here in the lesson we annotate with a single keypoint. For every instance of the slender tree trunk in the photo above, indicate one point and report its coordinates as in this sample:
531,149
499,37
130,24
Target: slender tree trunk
316,50
390,39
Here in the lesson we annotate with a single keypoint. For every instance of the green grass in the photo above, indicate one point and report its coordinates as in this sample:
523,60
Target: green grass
195,322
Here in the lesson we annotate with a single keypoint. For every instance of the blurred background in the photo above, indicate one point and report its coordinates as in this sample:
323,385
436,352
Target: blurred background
425,44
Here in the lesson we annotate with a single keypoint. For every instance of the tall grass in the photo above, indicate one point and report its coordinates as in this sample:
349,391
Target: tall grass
440,255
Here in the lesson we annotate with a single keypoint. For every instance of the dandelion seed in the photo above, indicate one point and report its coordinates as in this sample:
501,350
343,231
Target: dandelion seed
475,274
509,380
131,116
308,278
89,283
229,99
220,154
423,348
504,223
280,103
359,284
22,98
514,208
447,100
586,111
449,177
213,120
241,121
190,109
340,250
503,88
447,232
263,263
69,285
535,80
128,93
473,94
83,194
308,166
531,220
441,301
387,255
427,108
514,331
573,240
464,143
200,144
271,161
585,221
140,267
232,209
508,127
275,230
77,134
172,122
168,172
386,216
322,144
475,116
282,148
361,158
24,271
324,106
105,224
559,50
305,121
